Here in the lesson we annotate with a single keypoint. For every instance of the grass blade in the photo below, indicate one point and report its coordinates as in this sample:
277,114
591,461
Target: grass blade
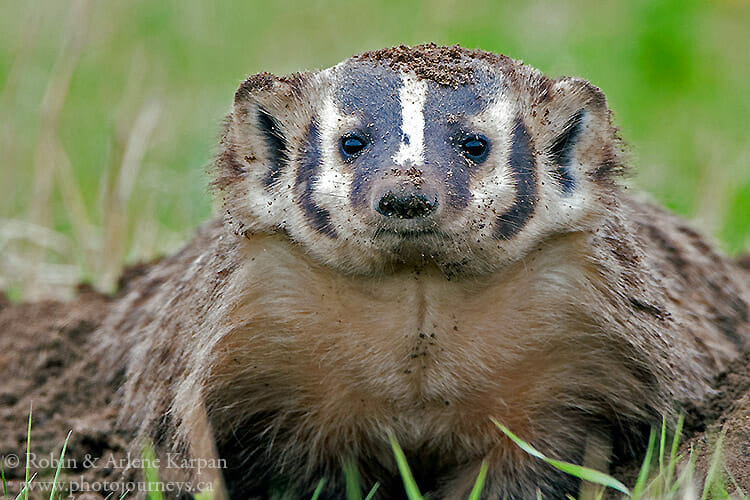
412,491
519,442
578,471
587,474
685,479
351,476
25,490
201,495
151,474
714,469
5,484
676,438
318,489
662,443
479,483
673,459
645,467
372,491
28,454
59,466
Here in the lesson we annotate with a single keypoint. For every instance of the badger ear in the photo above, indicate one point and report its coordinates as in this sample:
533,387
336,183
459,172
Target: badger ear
579,140
266,113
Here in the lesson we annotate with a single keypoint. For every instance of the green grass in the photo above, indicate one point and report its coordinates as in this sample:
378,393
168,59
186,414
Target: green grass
151,474
110,110
318,489
581,472
657,480
660,479
29,477
410,485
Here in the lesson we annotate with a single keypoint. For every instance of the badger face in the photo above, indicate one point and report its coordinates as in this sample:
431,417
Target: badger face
372,165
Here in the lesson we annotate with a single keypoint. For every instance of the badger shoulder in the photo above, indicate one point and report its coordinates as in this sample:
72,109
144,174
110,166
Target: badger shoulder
709,289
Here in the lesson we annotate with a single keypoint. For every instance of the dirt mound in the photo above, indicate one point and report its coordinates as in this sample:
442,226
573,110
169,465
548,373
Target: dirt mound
725,416
44,360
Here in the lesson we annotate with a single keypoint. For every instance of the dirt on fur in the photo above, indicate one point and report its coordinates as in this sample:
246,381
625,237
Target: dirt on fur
45,363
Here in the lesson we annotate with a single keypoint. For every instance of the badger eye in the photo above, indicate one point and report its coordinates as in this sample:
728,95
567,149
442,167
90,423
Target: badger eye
475,148
351,145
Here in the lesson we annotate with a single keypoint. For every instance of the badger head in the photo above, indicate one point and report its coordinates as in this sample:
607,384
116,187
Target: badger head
417,156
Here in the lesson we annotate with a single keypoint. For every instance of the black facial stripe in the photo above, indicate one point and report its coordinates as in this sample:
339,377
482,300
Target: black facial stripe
522,164
444,157
562,149
372,94
310,161
275,143
446,114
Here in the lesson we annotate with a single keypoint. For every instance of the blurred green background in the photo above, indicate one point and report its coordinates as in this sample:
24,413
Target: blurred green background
109,109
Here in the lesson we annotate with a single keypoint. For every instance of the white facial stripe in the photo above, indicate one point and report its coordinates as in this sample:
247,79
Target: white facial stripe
500,114
332,181
413,94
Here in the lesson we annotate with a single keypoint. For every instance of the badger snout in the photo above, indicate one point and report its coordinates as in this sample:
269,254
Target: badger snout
407,205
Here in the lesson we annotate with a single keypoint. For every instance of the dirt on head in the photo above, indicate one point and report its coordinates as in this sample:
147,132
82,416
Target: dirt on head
442,65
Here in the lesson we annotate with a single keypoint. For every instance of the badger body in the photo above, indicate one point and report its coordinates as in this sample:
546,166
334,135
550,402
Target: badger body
414,242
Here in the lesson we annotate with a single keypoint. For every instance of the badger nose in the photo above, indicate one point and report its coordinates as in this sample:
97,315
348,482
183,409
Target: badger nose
406,205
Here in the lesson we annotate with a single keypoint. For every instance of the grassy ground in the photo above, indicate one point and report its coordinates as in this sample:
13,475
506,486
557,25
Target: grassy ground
664,474
109,108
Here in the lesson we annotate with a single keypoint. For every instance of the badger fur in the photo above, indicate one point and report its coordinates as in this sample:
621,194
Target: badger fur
414,242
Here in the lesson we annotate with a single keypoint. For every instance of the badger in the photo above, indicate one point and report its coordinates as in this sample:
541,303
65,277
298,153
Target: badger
413,243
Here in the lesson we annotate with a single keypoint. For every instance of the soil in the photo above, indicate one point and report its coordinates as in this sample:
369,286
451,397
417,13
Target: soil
44,362
46,370
725,417
445,66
